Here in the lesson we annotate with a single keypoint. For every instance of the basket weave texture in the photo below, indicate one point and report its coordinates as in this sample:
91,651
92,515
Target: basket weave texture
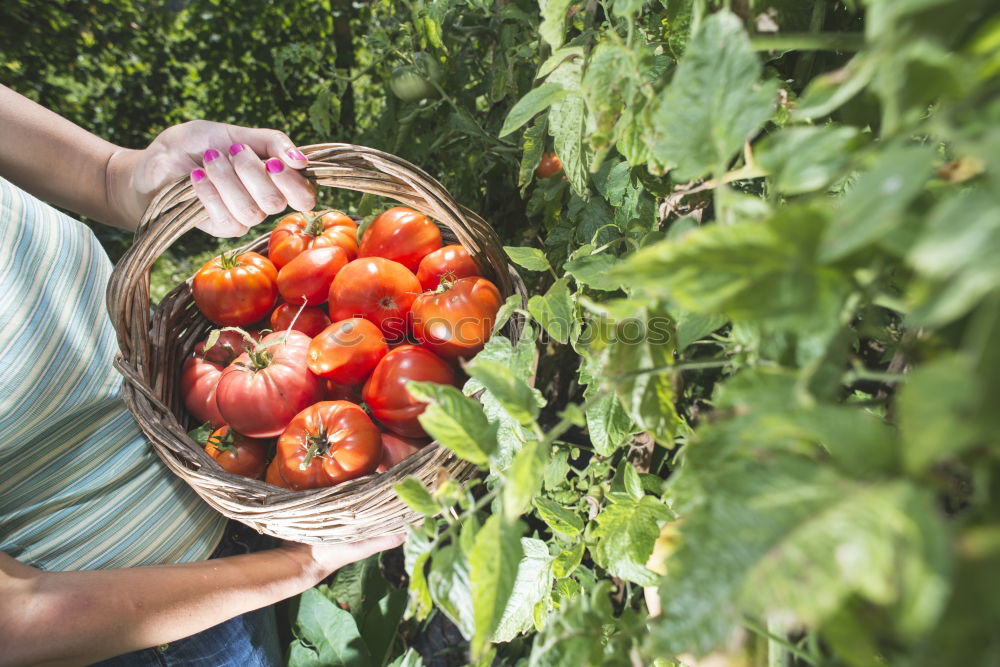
154,345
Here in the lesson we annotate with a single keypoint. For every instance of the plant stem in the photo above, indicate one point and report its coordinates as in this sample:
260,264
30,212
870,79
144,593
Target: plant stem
804,41
784,643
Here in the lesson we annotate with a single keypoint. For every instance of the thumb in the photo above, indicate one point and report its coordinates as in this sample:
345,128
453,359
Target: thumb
269,143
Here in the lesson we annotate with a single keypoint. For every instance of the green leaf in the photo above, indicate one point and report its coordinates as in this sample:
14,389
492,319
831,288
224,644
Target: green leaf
455,421
532,259
412,492
830,91
594,271
626,485
568,560
532,587
520,400
493,571
806,159
875,205
626,531
450,587
553,26
330,631
714,103
560,520
555,310
381,623
568,124
409,659
524,479
537,100
695,326
608,423
532,148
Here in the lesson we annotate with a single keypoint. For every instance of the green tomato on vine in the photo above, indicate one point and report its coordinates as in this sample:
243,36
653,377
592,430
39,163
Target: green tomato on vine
412,83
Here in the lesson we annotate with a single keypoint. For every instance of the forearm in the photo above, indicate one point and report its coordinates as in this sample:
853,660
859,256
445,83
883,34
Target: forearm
56,618
56,160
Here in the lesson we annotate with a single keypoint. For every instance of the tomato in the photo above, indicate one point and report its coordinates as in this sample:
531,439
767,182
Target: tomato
262,390
340,392
457,322
328,443
307,277
402,235
237,453
273,475
396,448
199,381
227,346
412,83
310,321
347,351
550,165
385,392
377,289
450,262
300,231
236,289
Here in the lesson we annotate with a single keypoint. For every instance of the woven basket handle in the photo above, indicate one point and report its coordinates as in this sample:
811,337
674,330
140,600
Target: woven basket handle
176,210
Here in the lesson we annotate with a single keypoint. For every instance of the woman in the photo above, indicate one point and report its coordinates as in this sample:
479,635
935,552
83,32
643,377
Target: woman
106,552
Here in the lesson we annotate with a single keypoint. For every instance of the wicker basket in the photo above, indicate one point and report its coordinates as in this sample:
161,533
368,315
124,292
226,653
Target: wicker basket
152,348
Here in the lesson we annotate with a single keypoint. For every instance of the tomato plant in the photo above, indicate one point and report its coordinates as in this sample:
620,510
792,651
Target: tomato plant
308,276
325,444
237,453
415,82
301,231
260,392
377,289
456,322
449,263
235,289
310,321
385,392
402,235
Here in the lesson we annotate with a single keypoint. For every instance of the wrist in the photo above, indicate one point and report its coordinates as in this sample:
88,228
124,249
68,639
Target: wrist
124,203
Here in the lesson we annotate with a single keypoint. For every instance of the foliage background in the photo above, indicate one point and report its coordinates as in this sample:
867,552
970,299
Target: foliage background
803,193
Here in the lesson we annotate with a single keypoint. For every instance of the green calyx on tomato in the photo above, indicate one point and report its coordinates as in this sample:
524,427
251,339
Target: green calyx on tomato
412,83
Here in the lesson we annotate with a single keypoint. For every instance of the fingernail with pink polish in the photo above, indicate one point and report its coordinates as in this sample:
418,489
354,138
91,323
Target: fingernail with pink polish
197,175
275,166
211,154
296,154
235,148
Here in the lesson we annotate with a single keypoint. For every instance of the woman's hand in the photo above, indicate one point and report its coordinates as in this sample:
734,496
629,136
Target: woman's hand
320,561
241,175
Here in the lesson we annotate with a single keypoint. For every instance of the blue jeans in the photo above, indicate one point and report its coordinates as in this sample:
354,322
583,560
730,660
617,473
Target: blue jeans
250,640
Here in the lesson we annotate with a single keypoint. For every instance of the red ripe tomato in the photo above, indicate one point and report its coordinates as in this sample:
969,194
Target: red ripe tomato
310,321
262,390
300,231
385,392
377,289
347,351
308,276
273,476
229,345
237,453
235,290
339,392
457,322
199,380
549,166
328,443
402,235
450,262
396,448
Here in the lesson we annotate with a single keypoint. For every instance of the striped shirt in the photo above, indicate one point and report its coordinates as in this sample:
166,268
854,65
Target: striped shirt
80,487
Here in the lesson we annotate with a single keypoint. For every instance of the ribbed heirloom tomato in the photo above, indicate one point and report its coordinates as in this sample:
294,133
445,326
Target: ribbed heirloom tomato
237,453
402,235
263,389
299,231
377,289
235,289
450,262
456,322
308,276
385,392
310,321
199,381
325,444
347,351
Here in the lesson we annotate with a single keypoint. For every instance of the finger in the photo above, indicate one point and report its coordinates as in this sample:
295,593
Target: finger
300,193
241,205
270,143
219,222
252,173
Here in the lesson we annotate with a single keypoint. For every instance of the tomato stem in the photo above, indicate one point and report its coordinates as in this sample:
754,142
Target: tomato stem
229,260
315,225
319,444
